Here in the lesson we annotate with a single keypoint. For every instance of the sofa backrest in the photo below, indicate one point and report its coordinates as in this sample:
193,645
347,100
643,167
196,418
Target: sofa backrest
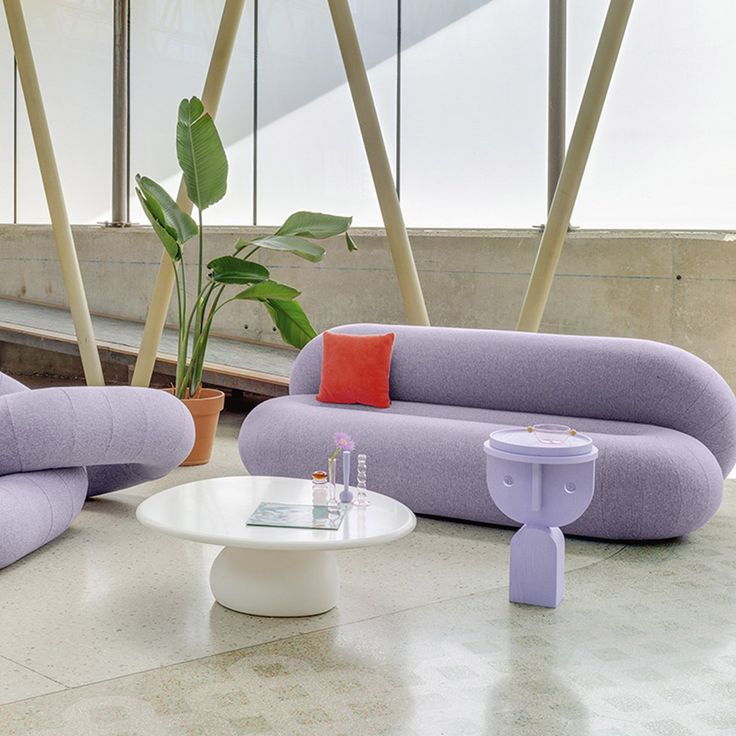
598,377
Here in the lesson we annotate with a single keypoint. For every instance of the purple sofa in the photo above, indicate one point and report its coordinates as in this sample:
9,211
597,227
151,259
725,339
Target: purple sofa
58,446
663,420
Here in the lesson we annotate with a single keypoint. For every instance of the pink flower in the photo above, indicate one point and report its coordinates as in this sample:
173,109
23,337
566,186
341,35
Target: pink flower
343,442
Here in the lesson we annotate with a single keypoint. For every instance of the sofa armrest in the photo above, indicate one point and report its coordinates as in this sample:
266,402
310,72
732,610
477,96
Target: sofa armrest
147,431
9,385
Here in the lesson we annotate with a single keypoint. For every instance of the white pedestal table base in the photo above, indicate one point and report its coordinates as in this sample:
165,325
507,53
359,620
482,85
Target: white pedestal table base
275,582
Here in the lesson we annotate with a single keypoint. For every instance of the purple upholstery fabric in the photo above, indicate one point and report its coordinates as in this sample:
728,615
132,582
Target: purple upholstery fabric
36,507
61,445
664,421
9,385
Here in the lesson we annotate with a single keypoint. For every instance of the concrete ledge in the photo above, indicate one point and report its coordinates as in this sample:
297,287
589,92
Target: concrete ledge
258,369
675,287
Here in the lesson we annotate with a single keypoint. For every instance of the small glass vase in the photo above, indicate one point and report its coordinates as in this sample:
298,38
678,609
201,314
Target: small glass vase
333,505
346,496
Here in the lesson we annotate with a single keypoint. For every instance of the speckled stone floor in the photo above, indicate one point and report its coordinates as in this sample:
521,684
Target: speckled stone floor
112,631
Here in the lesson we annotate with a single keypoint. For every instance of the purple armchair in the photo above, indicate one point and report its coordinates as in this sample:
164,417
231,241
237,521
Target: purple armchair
59,446
663,420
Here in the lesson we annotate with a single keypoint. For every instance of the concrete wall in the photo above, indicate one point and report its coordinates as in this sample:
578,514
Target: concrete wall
676,287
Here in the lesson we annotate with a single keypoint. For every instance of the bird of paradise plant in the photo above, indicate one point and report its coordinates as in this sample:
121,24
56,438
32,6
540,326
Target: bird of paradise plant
204,166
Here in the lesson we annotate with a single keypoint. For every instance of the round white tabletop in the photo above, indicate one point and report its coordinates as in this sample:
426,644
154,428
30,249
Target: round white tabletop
270,571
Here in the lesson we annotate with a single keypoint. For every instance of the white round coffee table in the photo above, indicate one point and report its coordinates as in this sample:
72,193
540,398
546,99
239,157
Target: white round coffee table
270,571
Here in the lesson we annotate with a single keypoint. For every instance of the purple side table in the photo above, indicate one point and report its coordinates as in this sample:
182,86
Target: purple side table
543,486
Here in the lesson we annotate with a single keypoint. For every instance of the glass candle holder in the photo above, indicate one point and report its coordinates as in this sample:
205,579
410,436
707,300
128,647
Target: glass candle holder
552,434
361,497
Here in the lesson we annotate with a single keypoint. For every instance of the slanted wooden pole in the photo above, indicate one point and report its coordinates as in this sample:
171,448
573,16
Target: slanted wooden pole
375,149
553,238
54,194
221,53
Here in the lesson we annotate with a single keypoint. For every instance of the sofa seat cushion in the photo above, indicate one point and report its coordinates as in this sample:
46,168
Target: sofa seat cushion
651,482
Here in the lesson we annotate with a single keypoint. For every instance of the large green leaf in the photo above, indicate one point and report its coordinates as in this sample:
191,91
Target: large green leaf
154,208
291,322
201,154
232,270
298,246
352,247
269,290
155,217
314,225
177,222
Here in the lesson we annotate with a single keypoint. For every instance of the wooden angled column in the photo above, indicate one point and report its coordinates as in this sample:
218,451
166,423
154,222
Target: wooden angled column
375,149
219,63
558,220
54,194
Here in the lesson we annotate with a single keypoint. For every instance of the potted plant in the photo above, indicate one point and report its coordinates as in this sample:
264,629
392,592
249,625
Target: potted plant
204,167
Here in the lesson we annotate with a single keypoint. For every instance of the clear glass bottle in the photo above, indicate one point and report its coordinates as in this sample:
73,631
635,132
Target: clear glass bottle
319,488
361,497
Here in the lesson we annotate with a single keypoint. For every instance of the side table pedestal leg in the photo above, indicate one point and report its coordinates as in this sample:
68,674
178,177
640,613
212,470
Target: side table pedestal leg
537,566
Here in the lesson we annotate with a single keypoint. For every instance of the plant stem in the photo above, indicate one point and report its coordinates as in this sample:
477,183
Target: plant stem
201,252
180,366
198,306
194,373
201,298
248,255
199,347
181,360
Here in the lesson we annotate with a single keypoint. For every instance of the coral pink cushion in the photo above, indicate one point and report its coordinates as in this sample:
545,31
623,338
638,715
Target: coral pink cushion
355,369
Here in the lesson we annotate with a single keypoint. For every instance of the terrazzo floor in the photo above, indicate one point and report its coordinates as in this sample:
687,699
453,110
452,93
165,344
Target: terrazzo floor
111,630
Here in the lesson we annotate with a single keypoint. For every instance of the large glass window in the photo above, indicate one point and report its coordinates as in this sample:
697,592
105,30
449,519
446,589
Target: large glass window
170,48
463,110
473,133
7,110
665,150
310,153
72,47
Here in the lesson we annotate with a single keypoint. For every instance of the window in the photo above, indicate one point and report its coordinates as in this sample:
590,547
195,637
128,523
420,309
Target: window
474,97
7,143
665,150
170,48
310,153
72,48
463,110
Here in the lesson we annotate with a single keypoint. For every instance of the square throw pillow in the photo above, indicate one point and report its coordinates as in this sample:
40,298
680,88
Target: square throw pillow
356,369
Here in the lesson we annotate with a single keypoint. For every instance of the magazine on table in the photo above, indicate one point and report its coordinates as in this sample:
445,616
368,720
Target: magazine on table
296,516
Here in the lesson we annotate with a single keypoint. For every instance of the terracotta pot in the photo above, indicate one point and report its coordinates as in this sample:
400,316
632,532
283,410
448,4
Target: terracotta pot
205,410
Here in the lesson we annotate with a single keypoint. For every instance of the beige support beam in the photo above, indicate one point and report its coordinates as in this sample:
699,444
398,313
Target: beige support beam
54,195
221,53
558,220
375,149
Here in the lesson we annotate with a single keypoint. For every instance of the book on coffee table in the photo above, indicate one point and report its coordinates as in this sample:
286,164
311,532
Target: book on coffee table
296,516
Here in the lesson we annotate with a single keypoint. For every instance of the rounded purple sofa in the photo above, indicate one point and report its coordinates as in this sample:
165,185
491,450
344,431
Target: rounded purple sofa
61,445
663,420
